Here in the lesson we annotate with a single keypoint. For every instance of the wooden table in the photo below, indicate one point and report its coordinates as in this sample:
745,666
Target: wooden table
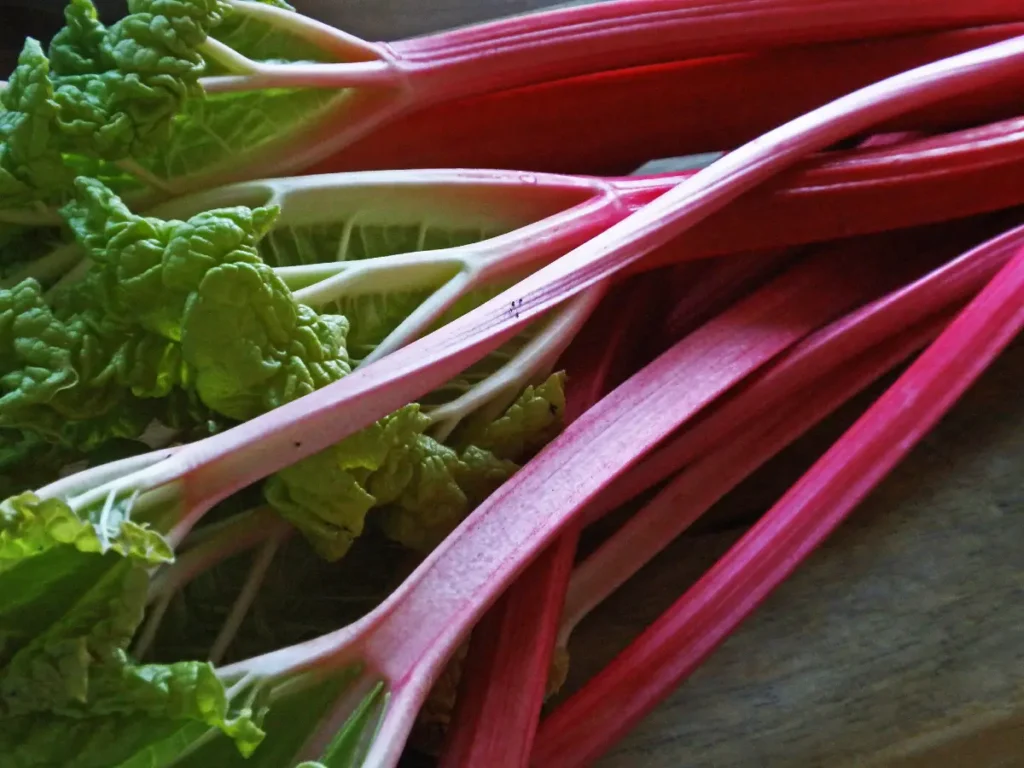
901,642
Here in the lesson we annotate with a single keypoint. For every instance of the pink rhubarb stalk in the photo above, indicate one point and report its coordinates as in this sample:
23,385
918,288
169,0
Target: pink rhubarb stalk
675,645
675,108
564,42
506,670
715,452
822,352
510,655
342,408
372,84
708,479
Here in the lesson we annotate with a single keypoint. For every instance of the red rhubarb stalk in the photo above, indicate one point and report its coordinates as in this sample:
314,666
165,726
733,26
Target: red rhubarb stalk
586,38
833,195
718,285
506,671
509,660
822,352
366,85
709,478
376,390
840,194
692,374
713,451
675,645
676,108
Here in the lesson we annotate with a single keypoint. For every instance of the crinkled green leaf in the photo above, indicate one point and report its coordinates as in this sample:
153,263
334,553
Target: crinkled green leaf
36,349
77,49
105,95
246,344
77,668
51,561
118,89
56,670
325,496
253,347
147,269
77,378
31,167
38,590
30,526
530,423
427,488
423,488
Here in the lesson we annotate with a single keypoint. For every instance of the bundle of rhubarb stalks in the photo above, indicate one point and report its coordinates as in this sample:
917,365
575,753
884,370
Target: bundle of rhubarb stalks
317,356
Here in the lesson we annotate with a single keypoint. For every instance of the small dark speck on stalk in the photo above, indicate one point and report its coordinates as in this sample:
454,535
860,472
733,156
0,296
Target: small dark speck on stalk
297,444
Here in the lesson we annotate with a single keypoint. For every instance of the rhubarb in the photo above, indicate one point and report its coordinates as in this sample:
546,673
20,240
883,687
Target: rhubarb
674,646
399,648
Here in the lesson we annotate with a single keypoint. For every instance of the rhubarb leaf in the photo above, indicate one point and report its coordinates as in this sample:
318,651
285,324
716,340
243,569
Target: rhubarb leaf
424,486
261,40
427,488
104,97
30,526
124,104
120,741
31,167
76,378
531,422
58,669
374,314
226,129
253,346
421,488
76,668
288,723
133,741
217,319
50,556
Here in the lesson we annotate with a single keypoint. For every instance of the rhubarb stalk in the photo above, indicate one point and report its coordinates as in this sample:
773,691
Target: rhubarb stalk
831,347
506,671
562,126
675,645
